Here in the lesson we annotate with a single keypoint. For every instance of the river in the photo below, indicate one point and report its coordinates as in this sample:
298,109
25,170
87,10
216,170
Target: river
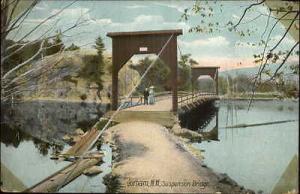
32,131
254,157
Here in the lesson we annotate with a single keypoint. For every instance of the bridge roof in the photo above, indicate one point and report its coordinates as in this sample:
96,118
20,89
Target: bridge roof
143,33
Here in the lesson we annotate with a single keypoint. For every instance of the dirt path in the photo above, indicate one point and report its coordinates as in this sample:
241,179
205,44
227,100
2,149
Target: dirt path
152,160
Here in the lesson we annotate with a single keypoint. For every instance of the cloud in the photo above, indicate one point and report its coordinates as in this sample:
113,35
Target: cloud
71,12
38,21
148,22
104,21
148,18
209,42
250,45
225,63
235,17
135,6
177,7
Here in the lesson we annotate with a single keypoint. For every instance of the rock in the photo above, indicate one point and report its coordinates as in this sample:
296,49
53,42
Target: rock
92,171
93,116
75,139
54,157
66,138
225,179
79,131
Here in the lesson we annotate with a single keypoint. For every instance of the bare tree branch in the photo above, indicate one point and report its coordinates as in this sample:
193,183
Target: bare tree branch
287,30
255,18
36,27
267,25
25,13
284,60
263,64
5,5
12,12
284,11
45,69
27,44
25,62
78,23
245,11
45,20
276,17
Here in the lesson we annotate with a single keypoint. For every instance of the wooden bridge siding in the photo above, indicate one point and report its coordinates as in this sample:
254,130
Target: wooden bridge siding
125,45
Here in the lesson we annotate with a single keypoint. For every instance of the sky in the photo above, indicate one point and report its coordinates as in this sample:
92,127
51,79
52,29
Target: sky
225,49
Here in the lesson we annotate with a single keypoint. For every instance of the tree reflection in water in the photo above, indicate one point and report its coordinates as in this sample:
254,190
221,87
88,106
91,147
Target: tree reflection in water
14,136
198,118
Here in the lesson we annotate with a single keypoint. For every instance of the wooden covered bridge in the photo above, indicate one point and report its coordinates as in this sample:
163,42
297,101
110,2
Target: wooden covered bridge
163,43
164,112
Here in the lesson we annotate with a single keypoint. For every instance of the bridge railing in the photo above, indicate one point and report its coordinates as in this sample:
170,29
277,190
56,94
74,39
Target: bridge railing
192,97
183,98
132,101
139,99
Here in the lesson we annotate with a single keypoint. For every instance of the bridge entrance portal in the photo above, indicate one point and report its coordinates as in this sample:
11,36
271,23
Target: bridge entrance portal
126,44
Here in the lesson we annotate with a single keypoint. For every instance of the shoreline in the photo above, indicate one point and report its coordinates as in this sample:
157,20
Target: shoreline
259,99
107,101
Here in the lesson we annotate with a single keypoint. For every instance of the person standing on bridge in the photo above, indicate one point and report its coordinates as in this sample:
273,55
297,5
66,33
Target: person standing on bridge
146,95
151,95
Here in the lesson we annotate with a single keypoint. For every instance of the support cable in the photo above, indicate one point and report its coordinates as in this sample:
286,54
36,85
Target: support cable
119,108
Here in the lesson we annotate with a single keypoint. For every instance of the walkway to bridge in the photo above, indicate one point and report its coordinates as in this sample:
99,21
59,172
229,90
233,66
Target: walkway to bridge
161,112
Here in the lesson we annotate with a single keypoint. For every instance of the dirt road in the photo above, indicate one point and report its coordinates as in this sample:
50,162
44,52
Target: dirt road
153,160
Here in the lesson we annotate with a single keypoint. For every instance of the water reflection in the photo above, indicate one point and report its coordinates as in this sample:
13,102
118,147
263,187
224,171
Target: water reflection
198,118
14,136
257,156
32,131
203,119
49,121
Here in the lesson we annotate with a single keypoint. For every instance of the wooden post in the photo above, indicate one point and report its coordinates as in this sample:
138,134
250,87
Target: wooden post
126,44
217,82
115,72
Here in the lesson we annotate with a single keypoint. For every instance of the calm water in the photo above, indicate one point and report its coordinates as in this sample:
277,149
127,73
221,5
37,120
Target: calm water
257,156
254,157
32,131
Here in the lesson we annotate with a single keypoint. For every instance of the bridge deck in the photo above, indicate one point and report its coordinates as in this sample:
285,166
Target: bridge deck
166,103
162,105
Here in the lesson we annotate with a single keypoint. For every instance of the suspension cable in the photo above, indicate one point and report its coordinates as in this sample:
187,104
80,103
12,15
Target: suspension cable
131,92
117,111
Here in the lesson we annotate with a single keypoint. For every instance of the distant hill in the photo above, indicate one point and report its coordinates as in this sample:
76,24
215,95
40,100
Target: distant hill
251,71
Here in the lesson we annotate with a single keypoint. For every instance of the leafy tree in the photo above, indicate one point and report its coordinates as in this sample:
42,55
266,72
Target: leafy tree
184,72
157,76
94,66
72,47
20,52
222,85
285,12
100,48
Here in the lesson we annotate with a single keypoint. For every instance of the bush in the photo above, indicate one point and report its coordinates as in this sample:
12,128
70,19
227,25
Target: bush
83,96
